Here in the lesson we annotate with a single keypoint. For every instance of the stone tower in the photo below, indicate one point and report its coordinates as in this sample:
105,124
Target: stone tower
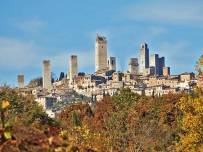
166,71
144,58
154,62
73,66
133,65
100,54
47,75
161,65
21,81
112,63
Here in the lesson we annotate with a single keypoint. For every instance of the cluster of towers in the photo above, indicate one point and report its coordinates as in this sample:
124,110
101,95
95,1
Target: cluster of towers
104,63
46,78
147,65
153,65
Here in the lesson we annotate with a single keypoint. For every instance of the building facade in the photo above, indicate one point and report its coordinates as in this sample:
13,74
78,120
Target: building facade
187,76
133,66
144,58
21,81
166,71
161,65
73,67
47,75
100,53
154,62
112,63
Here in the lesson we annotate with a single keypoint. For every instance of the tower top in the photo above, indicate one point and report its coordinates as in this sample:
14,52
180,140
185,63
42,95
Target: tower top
73,56
144,45
133,61
46,61
101,39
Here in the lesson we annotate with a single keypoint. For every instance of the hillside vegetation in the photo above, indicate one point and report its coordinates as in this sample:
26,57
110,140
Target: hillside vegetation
125,122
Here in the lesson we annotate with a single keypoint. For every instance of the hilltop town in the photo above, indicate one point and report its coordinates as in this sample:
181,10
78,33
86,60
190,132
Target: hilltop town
146,75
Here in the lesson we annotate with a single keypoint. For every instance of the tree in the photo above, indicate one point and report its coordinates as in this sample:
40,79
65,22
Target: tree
191,122
75,119
117,125
23,109
77,114
199,65
35,82
62,75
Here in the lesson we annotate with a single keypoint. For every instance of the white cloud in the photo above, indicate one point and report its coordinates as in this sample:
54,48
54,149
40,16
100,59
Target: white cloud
17,54
170,11
32,25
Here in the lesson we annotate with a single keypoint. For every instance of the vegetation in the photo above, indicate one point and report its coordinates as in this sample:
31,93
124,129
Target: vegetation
191,135
35,82
62,75
199,65
124,122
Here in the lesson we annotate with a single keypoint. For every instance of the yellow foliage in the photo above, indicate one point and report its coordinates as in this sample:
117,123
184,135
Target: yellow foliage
5,104
191,125
81,137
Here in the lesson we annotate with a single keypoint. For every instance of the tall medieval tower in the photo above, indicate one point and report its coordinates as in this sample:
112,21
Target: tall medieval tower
101,54
21,81
133,66
47,75
73,67
144,58
112,63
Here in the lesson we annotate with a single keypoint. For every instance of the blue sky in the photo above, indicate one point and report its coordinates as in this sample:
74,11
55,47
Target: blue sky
33,30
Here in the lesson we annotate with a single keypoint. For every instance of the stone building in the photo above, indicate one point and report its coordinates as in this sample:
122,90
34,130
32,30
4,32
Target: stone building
149,71
73,67
126,77
21,81
161,65
112,63
166,71
158,63
171,82
187,76
101,54
117,76
47,75
133,66
154,62
144,58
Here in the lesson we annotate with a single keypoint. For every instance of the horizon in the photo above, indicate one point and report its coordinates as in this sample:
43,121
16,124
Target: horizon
33,31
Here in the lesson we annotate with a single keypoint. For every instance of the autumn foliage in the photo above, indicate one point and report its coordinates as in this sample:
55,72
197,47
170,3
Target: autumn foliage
124,122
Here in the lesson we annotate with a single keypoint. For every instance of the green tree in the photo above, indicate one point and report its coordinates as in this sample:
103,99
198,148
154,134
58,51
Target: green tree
23,109
62,75
76,119
35,82
199,65
117,125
